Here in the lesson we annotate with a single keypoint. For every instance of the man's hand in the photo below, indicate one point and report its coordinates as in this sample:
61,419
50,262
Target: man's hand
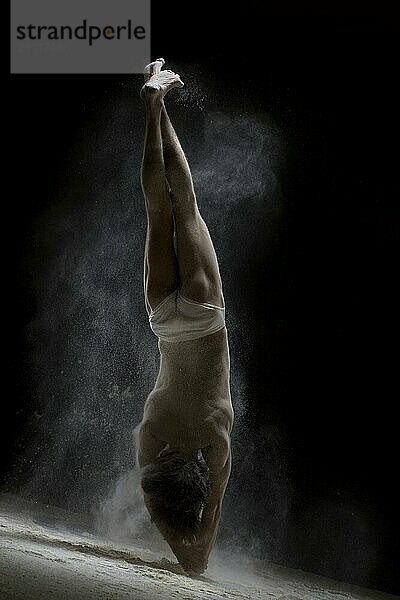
193,560
192,557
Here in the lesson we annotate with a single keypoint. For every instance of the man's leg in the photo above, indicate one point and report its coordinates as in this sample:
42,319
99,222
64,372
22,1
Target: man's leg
160,263
198,266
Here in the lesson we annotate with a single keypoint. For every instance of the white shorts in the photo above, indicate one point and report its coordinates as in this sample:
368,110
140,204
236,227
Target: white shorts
177,319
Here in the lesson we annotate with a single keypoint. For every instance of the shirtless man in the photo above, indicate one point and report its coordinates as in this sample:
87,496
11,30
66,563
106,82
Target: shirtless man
184,450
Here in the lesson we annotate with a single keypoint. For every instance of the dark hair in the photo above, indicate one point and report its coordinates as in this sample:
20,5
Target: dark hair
177,487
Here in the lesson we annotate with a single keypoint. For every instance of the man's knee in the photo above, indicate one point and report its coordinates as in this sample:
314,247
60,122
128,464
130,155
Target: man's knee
200,287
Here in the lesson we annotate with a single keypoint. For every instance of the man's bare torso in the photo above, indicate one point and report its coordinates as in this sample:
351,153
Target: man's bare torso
190,406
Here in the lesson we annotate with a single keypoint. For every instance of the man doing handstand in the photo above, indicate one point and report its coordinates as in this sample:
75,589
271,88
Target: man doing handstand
184,449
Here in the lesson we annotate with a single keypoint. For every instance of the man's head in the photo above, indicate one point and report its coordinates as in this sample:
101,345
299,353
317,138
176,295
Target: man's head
176,488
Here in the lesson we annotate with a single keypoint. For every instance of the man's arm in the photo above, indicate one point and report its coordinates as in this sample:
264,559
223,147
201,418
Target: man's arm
219,460
194,556
148,446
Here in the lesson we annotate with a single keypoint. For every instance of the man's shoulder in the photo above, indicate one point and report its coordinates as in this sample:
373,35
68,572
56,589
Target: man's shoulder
218,454
221,417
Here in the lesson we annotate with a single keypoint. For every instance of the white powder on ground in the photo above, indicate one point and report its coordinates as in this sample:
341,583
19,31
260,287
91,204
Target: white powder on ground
49,553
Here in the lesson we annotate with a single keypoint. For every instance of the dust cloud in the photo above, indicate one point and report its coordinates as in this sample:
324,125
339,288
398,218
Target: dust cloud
94,359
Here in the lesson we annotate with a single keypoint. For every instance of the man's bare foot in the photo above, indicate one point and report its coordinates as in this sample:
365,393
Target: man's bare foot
153,68
160,83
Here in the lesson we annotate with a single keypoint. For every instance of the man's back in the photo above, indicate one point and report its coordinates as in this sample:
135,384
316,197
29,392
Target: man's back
191,403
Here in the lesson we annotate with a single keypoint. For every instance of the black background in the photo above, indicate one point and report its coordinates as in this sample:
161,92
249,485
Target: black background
327,74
